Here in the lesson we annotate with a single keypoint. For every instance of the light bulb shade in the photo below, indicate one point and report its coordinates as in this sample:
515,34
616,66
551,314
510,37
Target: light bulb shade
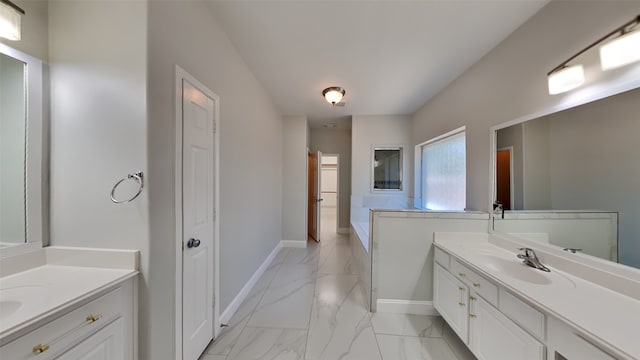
620,51
9,22
333,94
566,79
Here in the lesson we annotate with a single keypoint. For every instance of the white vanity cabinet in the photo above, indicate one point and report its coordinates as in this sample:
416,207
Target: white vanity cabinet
469,304
450,299
98,327
493,336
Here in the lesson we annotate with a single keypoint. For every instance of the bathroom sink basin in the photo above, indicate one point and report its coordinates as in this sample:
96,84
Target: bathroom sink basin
9,307
515,269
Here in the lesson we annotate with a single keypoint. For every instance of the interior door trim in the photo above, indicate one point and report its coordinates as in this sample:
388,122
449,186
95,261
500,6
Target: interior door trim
180,75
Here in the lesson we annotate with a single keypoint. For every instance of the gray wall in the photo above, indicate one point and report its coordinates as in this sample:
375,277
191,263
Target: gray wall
594,164
12,150
251,168
510,82
337,141
536,156
294,179
99,135
368,131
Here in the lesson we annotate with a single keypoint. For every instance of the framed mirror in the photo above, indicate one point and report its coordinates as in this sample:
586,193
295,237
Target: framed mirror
21,184
572,178
386,168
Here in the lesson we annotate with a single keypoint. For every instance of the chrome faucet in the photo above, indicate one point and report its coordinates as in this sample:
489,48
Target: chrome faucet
531,259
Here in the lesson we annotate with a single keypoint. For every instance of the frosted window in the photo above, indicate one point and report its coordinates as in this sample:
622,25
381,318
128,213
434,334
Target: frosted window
444,174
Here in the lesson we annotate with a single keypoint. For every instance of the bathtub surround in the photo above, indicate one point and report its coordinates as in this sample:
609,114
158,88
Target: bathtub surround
406,286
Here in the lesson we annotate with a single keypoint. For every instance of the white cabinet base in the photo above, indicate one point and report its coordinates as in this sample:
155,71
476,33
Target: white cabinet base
492,336
106,344
450,299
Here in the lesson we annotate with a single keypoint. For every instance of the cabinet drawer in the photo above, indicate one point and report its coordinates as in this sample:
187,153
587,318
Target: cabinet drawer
476,283
566,344
522,313
62,333
441,258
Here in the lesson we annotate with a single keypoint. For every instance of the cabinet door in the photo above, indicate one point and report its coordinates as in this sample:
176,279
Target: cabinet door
450,299
106,344
492,336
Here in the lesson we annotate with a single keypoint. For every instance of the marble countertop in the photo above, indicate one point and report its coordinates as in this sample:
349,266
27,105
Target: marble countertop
57,282
605,316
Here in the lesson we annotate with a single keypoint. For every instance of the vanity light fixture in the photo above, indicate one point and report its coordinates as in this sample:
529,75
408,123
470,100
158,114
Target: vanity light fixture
333,94
10,18
565,79
623,50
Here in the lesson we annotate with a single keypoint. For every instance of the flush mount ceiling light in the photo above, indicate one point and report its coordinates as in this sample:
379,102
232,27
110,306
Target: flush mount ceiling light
623,50
333,94
10,17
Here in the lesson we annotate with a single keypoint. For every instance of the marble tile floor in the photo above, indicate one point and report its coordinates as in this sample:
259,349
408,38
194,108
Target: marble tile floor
308,305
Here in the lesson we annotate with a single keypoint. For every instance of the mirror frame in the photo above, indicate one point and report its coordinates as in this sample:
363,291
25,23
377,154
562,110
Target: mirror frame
374,148
34,156
571,100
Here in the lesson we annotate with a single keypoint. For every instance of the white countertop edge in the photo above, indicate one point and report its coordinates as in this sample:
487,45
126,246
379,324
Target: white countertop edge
527,298
12,333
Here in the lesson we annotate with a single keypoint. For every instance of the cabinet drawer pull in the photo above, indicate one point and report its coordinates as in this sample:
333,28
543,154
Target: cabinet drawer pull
473,316
40,348
462,274
476,284
473,298
93,318
461,304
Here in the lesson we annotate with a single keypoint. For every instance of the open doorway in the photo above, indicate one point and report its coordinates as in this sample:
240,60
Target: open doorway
504,177
329,208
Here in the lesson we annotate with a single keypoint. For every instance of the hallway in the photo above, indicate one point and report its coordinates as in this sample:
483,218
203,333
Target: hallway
309,305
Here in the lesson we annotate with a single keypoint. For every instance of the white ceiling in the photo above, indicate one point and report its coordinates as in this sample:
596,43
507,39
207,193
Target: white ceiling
390,56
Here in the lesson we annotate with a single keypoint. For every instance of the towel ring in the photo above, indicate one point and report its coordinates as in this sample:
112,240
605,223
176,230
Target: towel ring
135,176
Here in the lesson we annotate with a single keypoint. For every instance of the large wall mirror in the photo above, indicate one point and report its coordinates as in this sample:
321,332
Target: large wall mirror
21,185
572,178
387,168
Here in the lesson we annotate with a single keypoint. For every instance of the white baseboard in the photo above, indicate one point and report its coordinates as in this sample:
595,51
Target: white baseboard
406,307
344,231
226,315
293,243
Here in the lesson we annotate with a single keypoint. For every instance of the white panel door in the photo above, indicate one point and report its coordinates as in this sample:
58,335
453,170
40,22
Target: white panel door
198,218
492,336
450,297
106,344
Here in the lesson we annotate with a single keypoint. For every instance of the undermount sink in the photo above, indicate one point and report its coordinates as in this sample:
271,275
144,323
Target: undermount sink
15,297
517,270
9,307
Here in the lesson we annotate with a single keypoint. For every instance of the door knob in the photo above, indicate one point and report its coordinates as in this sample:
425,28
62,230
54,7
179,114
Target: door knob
191,243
